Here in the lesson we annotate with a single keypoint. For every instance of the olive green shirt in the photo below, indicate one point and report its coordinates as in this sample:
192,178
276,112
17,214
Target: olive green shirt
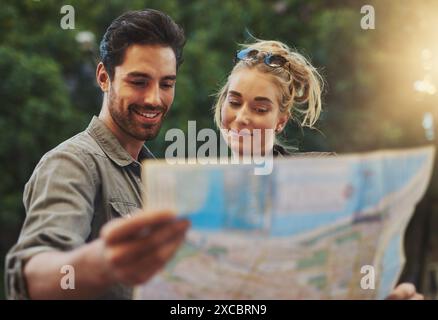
74,190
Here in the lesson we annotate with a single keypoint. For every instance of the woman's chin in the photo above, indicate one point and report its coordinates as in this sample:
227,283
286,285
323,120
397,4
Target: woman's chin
242,151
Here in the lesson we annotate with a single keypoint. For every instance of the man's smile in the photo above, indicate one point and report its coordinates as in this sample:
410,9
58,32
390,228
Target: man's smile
149,115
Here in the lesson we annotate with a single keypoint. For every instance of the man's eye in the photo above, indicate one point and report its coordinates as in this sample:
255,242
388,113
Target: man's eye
167,85
138,83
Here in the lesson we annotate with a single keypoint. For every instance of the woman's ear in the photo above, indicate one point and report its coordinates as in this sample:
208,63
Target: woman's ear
281,123
102,77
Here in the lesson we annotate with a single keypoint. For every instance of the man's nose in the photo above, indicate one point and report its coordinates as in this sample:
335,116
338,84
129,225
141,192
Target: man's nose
152,95
243,116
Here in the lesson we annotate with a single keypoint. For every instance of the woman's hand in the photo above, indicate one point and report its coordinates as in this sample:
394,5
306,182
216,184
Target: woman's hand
405,291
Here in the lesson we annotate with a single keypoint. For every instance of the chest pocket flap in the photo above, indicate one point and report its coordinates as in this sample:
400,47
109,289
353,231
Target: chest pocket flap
123,208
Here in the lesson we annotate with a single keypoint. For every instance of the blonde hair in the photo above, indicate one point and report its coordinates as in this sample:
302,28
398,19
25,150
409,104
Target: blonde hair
299,82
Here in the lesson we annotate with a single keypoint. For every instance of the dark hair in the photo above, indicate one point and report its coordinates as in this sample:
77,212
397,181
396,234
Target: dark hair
140,27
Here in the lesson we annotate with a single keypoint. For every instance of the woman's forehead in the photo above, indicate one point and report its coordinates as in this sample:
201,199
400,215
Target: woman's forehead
251,83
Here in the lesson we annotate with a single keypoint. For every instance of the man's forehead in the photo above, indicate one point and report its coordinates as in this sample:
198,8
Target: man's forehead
154,60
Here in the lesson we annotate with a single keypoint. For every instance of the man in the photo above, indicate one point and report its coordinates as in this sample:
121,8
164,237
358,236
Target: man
80,187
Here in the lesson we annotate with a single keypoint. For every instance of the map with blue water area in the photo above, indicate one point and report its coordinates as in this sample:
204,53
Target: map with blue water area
302,232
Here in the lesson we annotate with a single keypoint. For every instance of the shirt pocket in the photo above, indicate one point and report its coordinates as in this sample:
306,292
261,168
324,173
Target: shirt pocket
122,208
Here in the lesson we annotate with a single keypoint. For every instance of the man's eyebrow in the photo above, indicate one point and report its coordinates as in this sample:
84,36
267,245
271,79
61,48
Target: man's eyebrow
134,74
137,74
170,77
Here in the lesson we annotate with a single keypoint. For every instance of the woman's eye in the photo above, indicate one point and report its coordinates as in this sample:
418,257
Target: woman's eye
261,110
234,103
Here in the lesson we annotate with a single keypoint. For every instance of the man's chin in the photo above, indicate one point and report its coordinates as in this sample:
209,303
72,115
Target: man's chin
147,134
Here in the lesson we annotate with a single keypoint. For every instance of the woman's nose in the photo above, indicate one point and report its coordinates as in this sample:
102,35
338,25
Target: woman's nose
243,116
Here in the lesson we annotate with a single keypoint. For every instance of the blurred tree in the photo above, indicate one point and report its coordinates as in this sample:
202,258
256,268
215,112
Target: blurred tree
40,64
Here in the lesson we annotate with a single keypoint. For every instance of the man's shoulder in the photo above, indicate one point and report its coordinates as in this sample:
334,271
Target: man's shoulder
81,148
82,145
78,155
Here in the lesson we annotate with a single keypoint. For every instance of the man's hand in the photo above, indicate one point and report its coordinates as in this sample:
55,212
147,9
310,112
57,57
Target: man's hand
129,251
405,291
134,249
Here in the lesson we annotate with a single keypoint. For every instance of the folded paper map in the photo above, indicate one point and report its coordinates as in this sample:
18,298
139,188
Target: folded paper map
315,228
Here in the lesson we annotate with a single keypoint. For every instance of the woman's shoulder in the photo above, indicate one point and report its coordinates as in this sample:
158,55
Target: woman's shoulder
312,154
281,151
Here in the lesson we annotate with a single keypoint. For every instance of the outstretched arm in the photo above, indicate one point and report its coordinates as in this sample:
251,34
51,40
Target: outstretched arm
129,251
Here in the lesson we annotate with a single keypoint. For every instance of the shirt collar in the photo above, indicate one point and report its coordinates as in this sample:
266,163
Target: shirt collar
111,146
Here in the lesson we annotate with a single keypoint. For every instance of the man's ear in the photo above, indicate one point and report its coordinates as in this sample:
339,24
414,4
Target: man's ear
102,77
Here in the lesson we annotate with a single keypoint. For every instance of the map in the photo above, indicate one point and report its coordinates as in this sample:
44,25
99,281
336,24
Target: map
305,231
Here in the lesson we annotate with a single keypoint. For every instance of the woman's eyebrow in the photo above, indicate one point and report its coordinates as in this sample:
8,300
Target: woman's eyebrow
235,93
265,99
238,94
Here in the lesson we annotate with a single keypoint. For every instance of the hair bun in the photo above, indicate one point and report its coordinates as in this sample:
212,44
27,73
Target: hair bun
301,89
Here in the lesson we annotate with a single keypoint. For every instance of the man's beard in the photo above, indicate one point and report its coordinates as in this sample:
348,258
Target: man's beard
125,119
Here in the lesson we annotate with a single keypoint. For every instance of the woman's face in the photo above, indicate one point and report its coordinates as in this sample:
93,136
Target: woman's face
251,103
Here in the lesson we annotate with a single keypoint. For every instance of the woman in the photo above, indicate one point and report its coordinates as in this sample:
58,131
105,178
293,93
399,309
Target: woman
269,85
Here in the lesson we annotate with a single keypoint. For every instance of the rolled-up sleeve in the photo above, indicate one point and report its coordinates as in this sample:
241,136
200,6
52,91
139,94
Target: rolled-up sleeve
58,200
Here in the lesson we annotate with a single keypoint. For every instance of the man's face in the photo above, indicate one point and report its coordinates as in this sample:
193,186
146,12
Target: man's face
142,90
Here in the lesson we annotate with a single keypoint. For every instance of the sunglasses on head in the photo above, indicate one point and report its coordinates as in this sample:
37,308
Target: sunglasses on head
272,60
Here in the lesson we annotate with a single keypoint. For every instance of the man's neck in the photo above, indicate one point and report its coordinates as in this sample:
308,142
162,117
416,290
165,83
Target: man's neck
131,145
